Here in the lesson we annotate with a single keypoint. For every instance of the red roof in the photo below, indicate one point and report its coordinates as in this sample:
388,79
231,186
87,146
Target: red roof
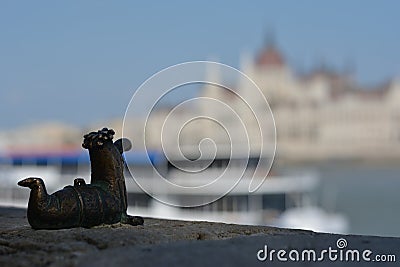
270,56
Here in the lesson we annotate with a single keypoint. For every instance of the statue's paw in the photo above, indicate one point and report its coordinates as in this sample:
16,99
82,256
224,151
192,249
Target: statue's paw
79,182
133,220
97,139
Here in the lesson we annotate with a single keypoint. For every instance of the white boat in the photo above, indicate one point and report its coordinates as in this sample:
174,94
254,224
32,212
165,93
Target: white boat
283,201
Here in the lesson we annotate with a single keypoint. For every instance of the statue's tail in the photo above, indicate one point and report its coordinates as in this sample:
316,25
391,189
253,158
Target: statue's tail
39,202
31,182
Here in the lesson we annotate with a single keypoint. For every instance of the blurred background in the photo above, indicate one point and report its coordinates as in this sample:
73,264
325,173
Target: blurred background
330,73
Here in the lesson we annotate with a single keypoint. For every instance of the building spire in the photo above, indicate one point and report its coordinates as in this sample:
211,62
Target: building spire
269,54
270,40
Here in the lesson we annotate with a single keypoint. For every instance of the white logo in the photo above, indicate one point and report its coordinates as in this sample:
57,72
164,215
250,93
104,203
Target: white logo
342,254
341,243
221,121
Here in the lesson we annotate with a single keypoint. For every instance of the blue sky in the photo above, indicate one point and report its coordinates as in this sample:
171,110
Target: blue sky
80,61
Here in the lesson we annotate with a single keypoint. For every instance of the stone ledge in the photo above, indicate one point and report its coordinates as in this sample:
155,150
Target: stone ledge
160,243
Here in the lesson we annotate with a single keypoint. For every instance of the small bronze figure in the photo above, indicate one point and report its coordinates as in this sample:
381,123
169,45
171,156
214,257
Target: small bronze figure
103,201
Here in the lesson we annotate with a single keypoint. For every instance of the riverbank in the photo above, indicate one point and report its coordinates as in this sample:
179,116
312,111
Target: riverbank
168,243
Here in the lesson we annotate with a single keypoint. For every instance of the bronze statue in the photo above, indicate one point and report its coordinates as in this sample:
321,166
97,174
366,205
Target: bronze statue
103,201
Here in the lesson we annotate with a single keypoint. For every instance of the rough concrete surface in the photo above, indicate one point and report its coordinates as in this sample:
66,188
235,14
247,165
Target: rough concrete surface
170,243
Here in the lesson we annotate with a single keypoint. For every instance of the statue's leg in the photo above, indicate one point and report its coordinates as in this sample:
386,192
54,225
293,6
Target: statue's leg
107,167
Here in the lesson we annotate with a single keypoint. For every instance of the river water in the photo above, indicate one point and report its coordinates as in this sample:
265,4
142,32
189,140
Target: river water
368,195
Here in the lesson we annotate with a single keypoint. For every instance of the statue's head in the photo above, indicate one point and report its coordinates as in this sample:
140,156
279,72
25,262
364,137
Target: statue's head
104,136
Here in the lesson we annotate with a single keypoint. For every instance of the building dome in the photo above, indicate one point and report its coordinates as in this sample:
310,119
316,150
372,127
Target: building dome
270,56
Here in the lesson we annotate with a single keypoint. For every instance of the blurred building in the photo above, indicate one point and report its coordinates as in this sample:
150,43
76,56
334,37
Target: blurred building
40,138
323,115
326,114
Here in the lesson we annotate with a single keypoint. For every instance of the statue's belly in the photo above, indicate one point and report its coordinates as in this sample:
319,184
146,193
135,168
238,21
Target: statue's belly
75,206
